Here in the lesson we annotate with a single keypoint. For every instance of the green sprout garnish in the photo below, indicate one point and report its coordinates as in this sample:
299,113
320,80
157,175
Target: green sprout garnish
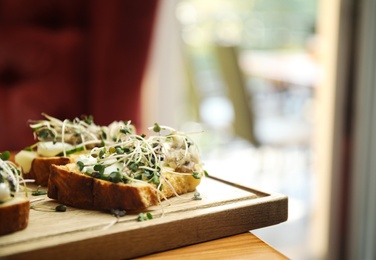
87,119
156,128
10,174
58,208
5,155
99,168
144,216
81,133
196,175
197,196
38,191
80,165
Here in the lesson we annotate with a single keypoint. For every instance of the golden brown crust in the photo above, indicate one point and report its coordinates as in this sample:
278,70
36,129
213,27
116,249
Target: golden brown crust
40,168
14,215
72,188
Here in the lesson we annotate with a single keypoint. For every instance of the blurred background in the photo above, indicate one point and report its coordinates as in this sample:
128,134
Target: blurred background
280,95
245,73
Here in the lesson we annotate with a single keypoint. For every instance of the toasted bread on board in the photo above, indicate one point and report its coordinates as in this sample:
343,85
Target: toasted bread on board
69,186
59,141
40,168
14,215
14,210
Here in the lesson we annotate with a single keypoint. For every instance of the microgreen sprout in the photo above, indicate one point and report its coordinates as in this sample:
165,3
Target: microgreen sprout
156,128
88,119
81,133
38,191
80,165
144,216
196,175
5,155
197,196
10,177
58,208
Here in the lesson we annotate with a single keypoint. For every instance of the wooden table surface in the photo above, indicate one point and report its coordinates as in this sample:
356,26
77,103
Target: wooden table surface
242,246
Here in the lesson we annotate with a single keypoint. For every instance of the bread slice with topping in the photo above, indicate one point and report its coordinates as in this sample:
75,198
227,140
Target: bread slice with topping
40,167
69,186
14,210
59,141
132,174
14,215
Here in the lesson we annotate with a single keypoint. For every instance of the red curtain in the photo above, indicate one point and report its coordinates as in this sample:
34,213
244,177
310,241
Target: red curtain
71,57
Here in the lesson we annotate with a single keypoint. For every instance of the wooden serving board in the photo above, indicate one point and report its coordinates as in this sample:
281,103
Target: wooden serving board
225,209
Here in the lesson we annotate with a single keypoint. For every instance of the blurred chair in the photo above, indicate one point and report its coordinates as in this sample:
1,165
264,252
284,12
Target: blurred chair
278,131
244,120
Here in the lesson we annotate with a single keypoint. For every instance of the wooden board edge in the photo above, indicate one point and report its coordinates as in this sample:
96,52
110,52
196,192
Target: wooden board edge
239,218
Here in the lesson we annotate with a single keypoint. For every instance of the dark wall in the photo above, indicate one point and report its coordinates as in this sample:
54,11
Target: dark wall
71,57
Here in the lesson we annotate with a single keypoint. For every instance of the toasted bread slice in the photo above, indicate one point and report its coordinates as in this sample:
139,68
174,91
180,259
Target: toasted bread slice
40,168
71,187
14,215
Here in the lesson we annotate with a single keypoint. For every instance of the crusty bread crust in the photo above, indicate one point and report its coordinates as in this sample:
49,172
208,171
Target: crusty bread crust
69,186
14,215
40,168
